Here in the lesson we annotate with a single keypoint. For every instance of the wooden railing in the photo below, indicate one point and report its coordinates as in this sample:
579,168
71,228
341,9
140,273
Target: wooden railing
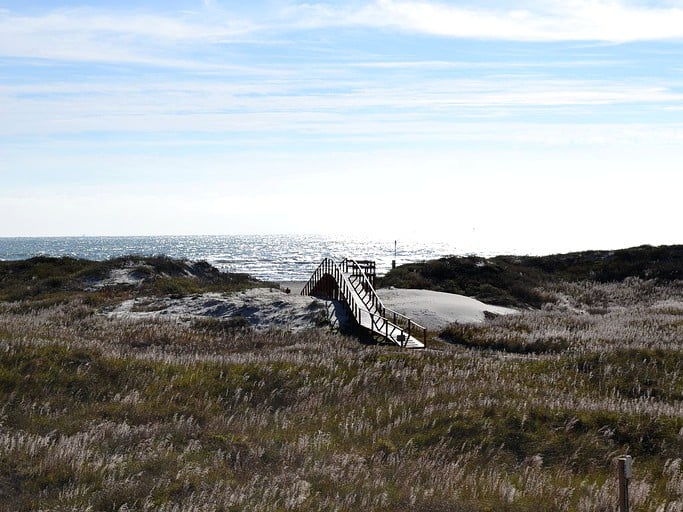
402,322
351,281
360,282
340,291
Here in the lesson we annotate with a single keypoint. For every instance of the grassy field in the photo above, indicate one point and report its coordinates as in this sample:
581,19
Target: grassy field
524,413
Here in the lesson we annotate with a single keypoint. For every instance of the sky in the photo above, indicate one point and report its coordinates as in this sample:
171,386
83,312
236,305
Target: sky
522,127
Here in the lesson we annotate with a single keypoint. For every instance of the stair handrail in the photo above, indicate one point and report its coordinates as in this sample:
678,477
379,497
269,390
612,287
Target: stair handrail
330,267
367,288
315,277
368,296
379,305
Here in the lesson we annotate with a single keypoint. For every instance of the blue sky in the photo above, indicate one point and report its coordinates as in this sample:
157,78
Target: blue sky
529,127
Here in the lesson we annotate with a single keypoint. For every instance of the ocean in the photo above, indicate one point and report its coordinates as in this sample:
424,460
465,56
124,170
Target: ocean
267,257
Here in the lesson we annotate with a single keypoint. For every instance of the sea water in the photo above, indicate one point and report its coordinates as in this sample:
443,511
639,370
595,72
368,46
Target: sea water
267,257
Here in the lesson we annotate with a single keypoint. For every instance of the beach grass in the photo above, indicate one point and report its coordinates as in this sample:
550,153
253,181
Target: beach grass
524,413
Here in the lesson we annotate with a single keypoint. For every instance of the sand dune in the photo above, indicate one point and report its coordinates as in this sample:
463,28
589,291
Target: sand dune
436,310
265,308
262,308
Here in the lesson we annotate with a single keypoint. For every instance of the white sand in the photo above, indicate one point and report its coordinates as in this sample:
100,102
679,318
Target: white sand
263,308
433,310
436,310
117,276
266,308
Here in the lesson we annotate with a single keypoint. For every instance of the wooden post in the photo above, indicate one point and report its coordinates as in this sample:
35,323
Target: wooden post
624,469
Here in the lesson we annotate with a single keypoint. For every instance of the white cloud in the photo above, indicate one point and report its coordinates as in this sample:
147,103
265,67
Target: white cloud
573,20
285,105
103,36
90,34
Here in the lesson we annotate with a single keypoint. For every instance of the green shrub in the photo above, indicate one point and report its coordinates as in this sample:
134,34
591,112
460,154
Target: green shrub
47,278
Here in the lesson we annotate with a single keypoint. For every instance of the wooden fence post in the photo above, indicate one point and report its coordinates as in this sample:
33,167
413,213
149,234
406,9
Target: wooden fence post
624,469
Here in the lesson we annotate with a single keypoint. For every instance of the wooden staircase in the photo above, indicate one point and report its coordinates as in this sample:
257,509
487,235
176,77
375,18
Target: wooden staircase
353,282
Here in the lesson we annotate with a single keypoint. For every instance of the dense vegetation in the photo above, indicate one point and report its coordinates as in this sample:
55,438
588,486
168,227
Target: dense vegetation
517,280
55,279
112,414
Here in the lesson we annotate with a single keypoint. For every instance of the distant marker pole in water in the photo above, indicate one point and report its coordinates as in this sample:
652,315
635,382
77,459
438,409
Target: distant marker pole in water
393,262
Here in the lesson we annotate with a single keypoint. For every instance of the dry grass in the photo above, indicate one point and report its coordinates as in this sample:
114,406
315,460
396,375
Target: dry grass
103,414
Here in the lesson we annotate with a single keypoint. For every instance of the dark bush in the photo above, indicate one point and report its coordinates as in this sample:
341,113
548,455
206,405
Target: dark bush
516,280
